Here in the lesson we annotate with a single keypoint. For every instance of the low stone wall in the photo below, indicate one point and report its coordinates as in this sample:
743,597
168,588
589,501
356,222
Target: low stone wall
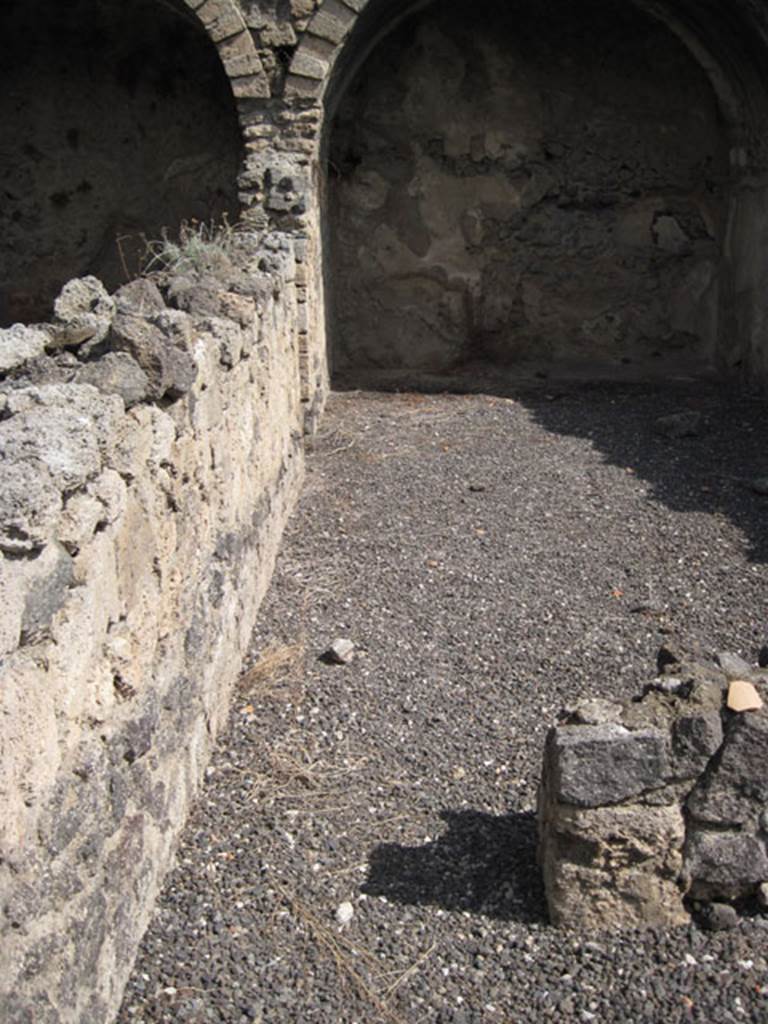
655,807
151,451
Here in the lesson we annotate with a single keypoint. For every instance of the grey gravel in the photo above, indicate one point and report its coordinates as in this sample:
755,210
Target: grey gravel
405,784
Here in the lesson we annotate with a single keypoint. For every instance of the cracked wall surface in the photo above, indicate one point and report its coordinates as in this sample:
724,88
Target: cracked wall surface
506,186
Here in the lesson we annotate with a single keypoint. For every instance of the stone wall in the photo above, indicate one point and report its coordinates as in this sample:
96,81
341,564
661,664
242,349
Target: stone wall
151,450
503,185
657,807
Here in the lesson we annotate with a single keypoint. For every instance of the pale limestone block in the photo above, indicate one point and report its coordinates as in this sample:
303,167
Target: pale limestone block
12,597
614,867
29,750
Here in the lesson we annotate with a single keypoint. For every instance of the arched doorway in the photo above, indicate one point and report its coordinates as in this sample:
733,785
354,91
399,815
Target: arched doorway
118,121
528,184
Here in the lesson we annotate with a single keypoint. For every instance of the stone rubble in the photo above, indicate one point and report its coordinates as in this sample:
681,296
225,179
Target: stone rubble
657,806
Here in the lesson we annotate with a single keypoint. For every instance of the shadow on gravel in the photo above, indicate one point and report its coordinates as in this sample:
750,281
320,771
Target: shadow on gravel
483,864
710,471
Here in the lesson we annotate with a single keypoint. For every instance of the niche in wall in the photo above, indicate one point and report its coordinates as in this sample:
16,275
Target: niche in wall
527,183
117,121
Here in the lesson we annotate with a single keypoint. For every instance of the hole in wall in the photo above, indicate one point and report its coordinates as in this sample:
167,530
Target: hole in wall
527,185
117,121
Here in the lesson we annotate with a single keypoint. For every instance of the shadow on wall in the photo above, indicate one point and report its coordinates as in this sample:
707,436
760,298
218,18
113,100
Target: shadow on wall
483,864
525,181
118,120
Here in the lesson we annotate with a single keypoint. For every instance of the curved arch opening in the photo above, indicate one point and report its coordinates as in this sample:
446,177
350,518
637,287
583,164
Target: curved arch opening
118,122
540,185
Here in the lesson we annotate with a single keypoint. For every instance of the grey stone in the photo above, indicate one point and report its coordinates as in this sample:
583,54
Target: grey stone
734,666
724,865
47,593
679,424
83,312
595,711
139,297
592,765
171,370
19,344
695,738
52,436
734,790
762,895
760,485
341,652
30,505
719,917
117,373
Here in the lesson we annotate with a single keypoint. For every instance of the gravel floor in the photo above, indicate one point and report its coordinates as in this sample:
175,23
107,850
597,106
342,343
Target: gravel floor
487,554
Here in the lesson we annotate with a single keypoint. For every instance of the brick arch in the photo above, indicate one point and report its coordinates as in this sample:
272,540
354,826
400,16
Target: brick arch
225,25
328,31
320,45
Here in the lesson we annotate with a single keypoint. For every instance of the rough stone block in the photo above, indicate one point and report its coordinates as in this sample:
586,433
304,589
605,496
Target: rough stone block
117,373
170,370
695,738
592,765
30,506
19,344
734,791
84,311
724,865
614,867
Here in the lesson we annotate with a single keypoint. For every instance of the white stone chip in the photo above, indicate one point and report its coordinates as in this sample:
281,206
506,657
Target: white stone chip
344,913
341,651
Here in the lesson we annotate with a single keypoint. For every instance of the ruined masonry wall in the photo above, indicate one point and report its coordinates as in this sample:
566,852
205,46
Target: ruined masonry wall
136,546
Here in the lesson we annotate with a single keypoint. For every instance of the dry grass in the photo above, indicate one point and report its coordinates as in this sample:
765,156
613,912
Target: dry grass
347,957
276,673
305,779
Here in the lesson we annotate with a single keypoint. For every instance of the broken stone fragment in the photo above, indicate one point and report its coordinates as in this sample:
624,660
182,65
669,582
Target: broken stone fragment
733,792
117,373
733,666
19,344
594,711
724,865
695,739
718,917
592,765
341,652
742,696
83,312
171,370
139,297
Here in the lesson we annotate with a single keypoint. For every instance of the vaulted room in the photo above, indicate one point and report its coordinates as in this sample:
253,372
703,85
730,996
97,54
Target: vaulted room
549,188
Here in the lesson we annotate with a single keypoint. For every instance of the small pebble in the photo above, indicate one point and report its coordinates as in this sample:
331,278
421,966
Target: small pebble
341,652
344,913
